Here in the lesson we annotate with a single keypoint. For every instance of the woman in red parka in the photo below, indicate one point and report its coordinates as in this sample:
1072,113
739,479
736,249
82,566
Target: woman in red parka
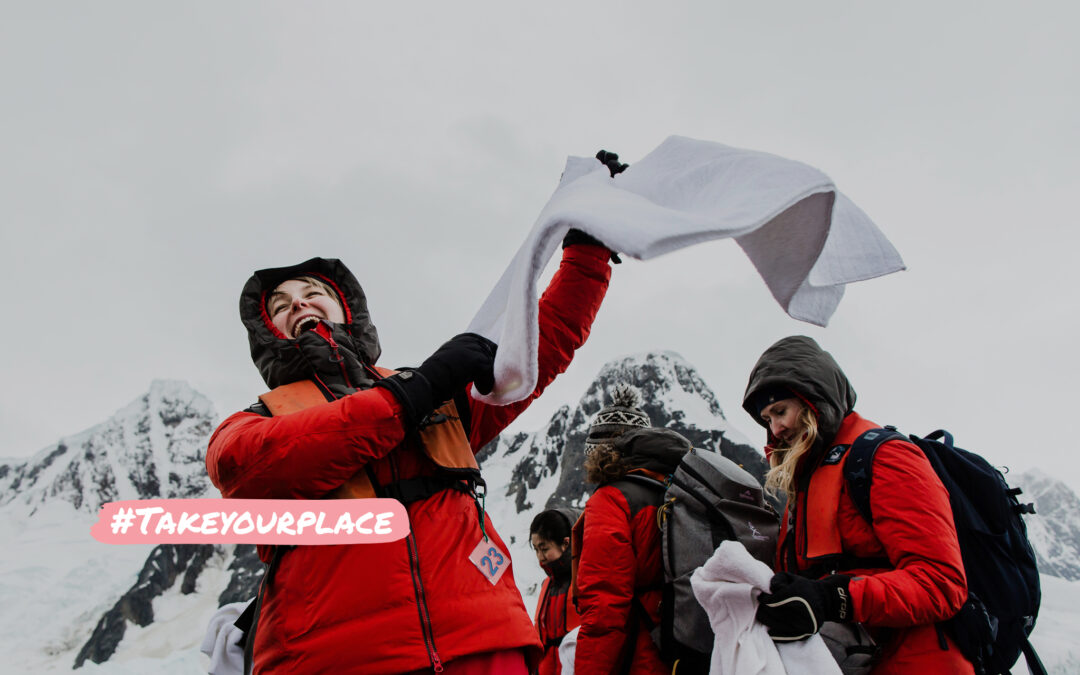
898,576
418,604
618,575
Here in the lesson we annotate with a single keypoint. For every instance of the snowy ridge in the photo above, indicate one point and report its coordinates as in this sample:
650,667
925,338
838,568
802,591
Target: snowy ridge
153,447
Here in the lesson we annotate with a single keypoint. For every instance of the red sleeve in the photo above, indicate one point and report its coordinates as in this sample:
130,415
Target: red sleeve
914,523
605,579
306,454
567,310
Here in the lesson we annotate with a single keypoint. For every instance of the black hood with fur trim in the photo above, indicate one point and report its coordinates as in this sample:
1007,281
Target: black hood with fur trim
798,363
338,362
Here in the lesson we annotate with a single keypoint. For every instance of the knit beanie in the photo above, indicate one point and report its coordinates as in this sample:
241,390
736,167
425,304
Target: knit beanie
623,415
766,396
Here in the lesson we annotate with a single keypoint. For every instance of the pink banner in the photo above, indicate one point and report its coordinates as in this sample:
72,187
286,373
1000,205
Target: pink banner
294,522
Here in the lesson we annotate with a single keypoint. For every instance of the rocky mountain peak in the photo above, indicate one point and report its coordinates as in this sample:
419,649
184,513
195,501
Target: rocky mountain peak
548,465
154,447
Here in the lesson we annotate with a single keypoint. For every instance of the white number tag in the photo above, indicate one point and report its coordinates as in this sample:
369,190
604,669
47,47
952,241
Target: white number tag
490,560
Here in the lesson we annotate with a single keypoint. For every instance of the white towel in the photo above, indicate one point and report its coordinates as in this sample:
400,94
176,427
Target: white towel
728,586
806,238
567,651
219,643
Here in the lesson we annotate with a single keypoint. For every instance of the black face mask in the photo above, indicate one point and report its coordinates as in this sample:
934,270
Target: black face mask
560,567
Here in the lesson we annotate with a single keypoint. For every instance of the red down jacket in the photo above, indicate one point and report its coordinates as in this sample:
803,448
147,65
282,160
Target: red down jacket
408,605
619,566
922,579
555,617
913,528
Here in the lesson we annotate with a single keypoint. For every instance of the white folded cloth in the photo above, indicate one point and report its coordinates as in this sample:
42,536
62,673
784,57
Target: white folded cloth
728,586
806,239
219,643
567,651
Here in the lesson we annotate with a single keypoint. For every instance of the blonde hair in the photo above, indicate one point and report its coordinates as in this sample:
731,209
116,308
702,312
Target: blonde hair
784,459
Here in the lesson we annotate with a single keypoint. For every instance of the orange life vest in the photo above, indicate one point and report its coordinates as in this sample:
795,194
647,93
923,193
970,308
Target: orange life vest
817,541
442,439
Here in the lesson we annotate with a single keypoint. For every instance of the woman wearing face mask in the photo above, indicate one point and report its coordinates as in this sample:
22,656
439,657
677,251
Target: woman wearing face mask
898,576
549,535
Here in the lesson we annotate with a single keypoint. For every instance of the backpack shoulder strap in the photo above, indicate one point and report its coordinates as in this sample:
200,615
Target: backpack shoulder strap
1034,663
860,462
640,491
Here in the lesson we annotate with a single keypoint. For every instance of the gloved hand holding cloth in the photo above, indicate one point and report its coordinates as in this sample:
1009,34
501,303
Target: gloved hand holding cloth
806,239
795,607
464,358
576,236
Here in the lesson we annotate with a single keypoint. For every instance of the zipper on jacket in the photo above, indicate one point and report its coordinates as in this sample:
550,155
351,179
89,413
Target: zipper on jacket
418,589
336,357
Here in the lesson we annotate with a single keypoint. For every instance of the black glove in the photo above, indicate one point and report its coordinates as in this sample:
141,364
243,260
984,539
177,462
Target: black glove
463,359
611,161
796,606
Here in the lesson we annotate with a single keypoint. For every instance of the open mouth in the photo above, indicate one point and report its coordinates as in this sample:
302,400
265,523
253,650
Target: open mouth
306,323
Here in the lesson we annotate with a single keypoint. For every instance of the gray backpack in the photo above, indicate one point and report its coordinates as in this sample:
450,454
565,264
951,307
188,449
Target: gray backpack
708,500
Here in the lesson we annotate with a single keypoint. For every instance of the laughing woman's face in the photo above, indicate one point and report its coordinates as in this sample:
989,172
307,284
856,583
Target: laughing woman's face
299,304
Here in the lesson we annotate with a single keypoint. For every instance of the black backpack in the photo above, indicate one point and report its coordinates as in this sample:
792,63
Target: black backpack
993,626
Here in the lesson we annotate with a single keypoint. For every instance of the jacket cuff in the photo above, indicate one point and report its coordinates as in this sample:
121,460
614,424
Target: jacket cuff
590,252
839,606
855,590
413,391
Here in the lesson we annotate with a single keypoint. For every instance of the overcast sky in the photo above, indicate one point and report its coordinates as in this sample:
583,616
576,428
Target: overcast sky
155,154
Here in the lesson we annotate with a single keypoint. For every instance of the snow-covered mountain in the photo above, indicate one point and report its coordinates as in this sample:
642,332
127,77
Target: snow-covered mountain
70,600
153,448
55,581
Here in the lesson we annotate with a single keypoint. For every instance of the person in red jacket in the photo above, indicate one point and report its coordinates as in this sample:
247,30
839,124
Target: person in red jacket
549,535
419,604
898,576
618,576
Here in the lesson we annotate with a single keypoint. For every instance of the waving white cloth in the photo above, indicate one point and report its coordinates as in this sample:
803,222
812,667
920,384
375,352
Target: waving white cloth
806,238
219,643
728,586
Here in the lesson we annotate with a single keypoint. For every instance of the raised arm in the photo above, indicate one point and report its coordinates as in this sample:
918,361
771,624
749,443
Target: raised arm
567,309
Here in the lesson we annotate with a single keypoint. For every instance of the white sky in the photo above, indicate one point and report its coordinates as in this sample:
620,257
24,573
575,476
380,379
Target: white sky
155,154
